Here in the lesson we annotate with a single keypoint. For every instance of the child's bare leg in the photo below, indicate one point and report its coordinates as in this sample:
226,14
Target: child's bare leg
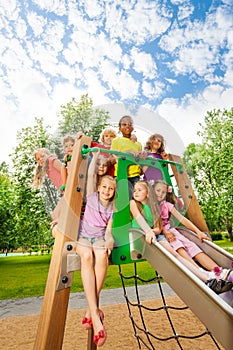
85,251
191,267
182,252
206,261
101,266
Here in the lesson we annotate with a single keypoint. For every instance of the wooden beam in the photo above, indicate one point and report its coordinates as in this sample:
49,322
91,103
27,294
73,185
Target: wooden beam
52,320
190,200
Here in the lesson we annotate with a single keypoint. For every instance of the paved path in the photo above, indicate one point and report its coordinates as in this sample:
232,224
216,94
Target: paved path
29,306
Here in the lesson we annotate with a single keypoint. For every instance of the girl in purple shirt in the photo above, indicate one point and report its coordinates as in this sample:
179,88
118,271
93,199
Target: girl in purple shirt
95,243
155,147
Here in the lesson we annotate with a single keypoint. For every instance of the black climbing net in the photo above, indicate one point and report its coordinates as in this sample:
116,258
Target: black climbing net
155,325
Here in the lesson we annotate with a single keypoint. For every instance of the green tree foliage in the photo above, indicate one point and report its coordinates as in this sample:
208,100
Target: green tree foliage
32,212
82,116
210,165
7,212
25,211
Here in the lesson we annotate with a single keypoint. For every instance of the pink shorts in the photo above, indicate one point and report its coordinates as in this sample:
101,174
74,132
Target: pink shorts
182,242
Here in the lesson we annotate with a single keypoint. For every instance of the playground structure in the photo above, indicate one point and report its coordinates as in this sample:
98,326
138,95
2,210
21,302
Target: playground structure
130,247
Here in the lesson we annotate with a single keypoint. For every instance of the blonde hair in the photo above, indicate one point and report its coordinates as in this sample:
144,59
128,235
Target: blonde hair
150,140
113,180
41,170
110,131
152,203
68,138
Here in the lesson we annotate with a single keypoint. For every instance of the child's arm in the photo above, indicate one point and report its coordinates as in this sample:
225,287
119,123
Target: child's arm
92,175
149,232
64,174
187,223
109,241
164,155
170,237
57,164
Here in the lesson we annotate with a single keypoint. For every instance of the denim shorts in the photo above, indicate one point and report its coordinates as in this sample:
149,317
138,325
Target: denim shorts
160,238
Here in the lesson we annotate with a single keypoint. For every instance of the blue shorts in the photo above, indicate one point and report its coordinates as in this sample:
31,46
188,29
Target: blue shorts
160,238
92,239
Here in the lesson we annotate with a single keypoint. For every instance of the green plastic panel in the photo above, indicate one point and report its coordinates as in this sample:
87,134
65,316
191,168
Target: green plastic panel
121,218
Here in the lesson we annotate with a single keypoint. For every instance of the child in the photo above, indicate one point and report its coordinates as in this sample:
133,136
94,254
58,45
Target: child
125,144
68,145
106,138
182,245
95,244
47,165
155,148
145,214
99,166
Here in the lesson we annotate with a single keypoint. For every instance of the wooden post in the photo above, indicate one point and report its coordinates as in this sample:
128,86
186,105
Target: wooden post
52,320
190,200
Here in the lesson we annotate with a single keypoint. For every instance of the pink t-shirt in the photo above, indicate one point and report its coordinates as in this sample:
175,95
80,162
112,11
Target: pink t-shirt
96,217
165,209
53,174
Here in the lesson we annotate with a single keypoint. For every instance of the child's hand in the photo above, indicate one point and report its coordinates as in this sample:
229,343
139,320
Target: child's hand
54,228
169,236
150,236
156,230
202,235
109,244
164,155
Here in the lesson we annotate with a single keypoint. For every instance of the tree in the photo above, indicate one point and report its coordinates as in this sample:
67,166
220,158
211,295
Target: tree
7,213
210,165
81,116
31,210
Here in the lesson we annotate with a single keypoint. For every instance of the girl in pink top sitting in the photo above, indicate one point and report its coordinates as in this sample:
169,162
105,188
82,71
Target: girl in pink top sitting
186,248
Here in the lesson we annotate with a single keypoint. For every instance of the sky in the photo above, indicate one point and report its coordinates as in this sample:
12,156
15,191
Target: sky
173,59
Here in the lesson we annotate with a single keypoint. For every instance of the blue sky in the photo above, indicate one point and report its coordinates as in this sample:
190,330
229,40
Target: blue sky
174,58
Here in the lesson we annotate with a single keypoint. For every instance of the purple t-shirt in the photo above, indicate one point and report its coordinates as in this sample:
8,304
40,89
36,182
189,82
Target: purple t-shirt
96,217
153,173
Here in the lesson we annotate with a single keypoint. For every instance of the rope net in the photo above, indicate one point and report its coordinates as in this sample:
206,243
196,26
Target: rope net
155,322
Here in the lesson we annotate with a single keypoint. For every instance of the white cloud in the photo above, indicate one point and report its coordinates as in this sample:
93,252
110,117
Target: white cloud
57,6
190,111
143,63
138,51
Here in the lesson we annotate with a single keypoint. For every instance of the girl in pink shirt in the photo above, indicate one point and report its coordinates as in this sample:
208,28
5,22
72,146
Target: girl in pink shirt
47,165
186,248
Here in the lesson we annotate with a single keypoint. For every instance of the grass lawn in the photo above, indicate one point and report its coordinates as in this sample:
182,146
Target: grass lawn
25,276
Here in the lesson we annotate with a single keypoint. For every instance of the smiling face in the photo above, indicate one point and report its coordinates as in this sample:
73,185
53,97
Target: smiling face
106,189
126,126
68,147
107,139
160,191
156,144
140,192
102,165
41,157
